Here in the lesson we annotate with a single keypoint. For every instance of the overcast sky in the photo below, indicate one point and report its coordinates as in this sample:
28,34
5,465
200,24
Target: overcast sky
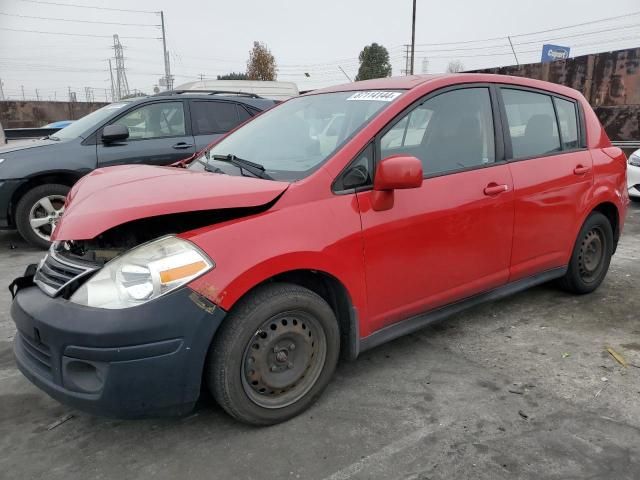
213,37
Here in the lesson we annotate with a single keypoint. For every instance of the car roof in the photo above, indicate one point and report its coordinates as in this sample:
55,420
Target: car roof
257,102
410,82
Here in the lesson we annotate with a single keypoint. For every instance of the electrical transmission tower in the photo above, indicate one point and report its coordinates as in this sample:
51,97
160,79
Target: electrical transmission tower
88,94
1,90
121,83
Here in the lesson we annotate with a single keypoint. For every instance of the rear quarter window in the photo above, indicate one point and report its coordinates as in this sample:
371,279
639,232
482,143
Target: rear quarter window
568,118
208,117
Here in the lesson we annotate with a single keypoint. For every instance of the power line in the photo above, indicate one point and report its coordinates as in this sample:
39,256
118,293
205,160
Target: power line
75,5
583,34
75,34
530,33
592,22
506,45
79,21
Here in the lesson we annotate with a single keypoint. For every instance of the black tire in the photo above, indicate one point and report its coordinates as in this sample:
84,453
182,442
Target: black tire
635,199
591,256
25,206
233,355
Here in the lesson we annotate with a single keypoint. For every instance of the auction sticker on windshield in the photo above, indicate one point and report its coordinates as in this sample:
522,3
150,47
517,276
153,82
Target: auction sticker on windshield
375,95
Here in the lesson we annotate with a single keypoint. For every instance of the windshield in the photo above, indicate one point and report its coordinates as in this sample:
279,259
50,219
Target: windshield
295,138
78,127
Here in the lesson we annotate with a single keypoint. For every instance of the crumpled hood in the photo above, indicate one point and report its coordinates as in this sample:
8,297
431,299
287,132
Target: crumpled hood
15,145
113,196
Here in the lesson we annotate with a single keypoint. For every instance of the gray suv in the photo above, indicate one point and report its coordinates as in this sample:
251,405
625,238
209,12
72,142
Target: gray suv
36,176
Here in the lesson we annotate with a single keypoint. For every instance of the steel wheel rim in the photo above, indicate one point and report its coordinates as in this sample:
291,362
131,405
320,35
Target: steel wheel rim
591,255
275,375
44,215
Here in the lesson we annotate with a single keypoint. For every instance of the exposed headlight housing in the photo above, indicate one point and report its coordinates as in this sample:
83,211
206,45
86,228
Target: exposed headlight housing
634,159
143,274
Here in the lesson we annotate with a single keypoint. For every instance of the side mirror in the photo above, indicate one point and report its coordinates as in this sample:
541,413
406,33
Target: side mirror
115,132
398,172
394,173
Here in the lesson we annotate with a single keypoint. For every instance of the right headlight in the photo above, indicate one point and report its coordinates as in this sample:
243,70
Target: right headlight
634,159
143,274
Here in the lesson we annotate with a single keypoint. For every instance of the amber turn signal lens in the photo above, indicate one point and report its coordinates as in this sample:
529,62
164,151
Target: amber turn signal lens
173,274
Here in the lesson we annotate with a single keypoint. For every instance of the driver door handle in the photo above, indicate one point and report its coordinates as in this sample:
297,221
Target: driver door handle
581,170
182,145
495,189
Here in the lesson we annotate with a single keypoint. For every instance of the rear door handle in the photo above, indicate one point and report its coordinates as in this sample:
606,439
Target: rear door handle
495,189
581,170
182,145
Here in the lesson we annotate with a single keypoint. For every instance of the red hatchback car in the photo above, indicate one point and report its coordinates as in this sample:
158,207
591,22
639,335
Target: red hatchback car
334,222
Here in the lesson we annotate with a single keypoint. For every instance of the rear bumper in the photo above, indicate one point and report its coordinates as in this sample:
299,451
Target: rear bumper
140,361
633,181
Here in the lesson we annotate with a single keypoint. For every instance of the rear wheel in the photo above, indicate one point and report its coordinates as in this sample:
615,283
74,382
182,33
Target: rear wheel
591,256
275,353
38,211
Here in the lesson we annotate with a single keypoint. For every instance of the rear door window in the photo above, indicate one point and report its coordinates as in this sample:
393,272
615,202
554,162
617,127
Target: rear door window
209,117
568,123
532,123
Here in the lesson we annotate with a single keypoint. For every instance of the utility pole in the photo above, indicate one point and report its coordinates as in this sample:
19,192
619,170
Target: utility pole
22,88
1,90
167,68
113,88
37,95
413,35
345,73
201,76
514,51
407,57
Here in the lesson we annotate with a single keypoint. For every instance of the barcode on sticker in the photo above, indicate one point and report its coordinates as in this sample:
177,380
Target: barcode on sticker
374,95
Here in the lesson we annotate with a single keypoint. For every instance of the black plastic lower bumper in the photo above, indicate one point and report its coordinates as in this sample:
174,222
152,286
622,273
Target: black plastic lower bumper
141,361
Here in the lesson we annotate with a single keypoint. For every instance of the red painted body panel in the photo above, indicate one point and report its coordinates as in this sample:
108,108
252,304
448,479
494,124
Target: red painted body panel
112,196
443,241
549,201
290,236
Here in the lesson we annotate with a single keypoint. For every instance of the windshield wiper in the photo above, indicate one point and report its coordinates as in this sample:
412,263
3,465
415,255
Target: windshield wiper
210,168
51,137
255,169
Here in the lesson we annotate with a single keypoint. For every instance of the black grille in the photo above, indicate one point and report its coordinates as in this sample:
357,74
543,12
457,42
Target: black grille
55,273
37,352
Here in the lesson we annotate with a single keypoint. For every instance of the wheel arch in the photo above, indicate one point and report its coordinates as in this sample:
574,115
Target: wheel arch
62,177
329,288
609,210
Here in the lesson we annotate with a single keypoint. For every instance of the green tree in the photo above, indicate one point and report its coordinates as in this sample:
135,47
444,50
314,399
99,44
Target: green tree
261,64
374,62
233,76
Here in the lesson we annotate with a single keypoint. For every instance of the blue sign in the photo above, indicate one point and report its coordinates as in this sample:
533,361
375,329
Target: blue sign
551,53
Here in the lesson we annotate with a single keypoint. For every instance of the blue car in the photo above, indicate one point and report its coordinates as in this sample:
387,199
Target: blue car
60,124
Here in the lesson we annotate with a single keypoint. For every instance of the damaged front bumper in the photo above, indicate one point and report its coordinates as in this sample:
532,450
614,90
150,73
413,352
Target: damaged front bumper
140,361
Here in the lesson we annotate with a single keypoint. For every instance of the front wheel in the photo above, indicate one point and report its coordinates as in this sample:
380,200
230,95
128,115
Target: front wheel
38,211
274,354
591,256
